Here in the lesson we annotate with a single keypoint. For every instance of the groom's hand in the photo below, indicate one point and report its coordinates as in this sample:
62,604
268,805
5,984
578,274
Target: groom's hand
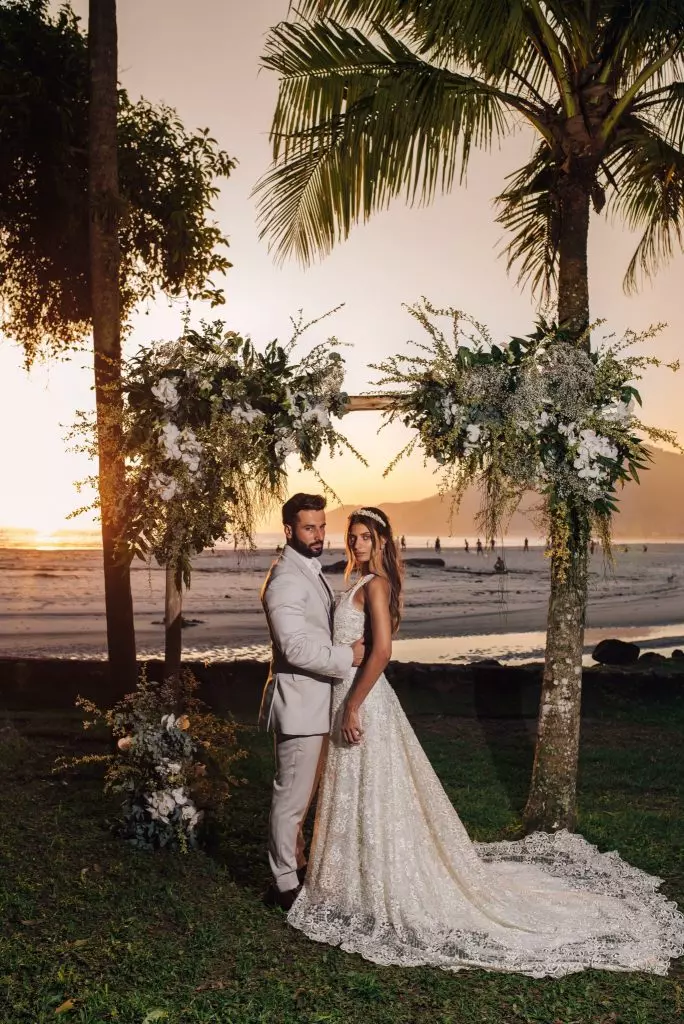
359,652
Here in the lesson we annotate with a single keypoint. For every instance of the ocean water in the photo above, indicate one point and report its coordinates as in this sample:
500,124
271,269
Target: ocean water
51,603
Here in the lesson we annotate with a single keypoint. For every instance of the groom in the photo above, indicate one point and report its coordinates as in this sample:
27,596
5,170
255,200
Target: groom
296,702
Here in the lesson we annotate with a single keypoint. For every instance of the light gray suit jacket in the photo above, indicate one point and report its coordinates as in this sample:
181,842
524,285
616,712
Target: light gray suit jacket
304,663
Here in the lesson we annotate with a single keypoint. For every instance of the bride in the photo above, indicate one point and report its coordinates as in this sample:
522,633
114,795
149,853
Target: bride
392,873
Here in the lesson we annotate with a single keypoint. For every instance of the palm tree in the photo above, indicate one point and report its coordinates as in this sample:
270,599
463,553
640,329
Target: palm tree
381,98
104,206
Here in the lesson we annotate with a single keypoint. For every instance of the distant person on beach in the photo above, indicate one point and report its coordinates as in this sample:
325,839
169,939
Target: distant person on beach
499,565
438,544
491,543
526,545
479,546
467,547
393,874
403,542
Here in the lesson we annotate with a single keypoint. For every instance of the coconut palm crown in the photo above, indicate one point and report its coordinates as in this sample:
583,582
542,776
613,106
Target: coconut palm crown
382,98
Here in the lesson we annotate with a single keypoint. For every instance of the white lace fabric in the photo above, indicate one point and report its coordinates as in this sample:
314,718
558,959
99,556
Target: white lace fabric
394,876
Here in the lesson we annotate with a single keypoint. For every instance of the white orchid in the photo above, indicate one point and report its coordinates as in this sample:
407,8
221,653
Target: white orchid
165,485
170,436
192,815
165,392
286,443
181,445
245,413
190,450
618,412
474,434
591,448
160,805
570,432
317,413
451,410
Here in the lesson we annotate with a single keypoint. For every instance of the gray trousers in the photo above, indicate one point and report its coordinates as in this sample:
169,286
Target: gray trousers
299,761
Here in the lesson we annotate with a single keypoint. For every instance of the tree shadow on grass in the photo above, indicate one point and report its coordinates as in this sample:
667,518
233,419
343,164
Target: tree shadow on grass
510,746
237,836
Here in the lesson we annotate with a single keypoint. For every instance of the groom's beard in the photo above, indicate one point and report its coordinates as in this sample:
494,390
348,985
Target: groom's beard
308,550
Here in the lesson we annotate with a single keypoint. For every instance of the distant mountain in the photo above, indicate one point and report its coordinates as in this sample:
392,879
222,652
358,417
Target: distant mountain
653,510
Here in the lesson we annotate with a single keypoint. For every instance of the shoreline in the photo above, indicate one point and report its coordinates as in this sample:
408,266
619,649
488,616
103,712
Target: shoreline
51,603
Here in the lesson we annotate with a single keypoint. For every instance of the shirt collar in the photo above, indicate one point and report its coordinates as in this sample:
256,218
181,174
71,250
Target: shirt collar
312,564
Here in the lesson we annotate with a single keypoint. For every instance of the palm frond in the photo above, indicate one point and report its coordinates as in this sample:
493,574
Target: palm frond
663,109
632,33
487,37
529,209
650,197
358,123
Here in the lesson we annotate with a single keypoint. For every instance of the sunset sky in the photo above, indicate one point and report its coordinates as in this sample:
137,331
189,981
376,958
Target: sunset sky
203,59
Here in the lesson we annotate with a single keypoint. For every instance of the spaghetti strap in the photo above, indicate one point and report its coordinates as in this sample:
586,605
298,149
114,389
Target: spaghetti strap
359,583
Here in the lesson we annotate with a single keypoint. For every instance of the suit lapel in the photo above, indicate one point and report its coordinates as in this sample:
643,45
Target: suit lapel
328,588
322,588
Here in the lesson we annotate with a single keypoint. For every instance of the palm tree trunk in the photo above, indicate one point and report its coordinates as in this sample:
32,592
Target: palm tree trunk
573,269
552,798
104,283
172,624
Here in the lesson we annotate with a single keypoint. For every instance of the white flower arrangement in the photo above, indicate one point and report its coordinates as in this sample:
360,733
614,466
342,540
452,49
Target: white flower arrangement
538,414
209,424
161,755
165,763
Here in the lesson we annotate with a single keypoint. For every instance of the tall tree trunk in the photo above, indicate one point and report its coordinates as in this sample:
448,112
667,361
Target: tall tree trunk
104,283
172,624
573,268
552,797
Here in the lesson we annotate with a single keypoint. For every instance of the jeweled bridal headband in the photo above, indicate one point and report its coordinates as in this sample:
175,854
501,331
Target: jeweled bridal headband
371,515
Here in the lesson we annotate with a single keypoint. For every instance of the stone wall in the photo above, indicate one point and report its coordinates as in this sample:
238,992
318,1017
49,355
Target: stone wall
480,690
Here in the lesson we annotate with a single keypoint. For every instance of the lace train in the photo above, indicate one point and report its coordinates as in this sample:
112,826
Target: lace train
394,876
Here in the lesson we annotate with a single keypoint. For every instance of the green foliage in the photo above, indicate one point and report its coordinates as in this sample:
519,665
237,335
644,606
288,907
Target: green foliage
381,98
166,763
168,183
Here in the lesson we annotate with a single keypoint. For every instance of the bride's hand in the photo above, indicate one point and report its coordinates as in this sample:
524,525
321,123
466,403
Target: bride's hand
351,726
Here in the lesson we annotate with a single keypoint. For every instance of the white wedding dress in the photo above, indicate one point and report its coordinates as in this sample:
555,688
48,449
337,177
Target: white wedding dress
393,875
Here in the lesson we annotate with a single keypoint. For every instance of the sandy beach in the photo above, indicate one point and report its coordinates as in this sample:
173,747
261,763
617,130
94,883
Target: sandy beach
51,603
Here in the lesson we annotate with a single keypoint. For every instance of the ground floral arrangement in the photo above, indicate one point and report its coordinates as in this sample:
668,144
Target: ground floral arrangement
209,422
169,768
539,414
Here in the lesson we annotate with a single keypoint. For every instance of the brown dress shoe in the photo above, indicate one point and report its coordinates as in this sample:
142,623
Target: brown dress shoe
274,898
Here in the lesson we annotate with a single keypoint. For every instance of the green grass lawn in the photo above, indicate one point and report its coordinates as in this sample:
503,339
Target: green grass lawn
93,931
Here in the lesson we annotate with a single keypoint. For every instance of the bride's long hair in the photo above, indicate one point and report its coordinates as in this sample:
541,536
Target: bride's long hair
384,558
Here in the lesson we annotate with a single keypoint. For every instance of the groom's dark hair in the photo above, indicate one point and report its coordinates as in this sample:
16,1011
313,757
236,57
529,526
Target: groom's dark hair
301,503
